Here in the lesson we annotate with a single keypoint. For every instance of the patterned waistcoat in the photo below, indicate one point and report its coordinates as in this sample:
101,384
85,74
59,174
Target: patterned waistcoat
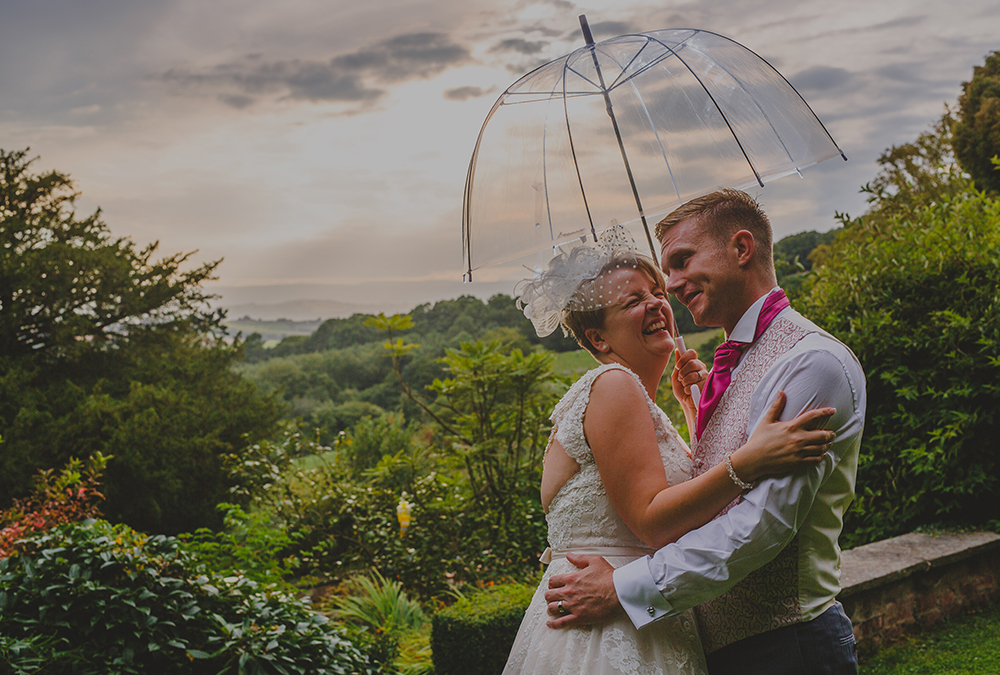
768,597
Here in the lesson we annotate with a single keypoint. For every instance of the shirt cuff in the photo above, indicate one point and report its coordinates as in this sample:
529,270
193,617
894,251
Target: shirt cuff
638,594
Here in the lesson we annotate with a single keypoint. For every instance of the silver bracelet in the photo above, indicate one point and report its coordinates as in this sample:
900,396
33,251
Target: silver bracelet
732,474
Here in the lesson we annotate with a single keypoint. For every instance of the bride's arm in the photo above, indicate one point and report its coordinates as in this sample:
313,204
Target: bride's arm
621,435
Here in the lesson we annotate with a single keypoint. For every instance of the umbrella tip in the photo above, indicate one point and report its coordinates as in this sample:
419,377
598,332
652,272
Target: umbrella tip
585,27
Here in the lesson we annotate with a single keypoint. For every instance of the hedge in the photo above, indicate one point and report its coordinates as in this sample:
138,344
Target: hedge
476,633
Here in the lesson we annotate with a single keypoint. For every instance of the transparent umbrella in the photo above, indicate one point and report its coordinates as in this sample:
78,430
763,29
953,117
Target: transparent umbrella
626,130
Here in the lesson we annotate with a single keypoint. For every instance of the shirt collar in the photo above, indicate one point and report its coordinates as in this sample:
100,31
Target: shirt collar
747,325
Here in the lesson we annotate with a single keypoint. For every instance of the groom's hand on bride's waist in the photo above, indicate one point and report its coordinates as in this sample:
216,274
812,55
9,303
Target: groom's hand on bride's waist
584,597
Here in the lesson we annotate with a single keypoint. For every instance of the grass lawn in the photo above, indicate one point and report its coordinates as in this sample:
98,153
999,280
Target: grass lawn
578,362
967,644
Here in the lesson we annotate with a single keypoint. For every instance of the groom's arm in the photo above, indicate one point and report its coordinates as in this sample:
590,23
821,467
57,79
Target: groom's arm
707,562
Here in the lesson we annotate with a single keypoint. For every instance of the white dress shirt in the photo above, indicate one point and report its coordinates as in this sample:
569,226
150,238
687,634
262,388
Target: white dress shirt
818,371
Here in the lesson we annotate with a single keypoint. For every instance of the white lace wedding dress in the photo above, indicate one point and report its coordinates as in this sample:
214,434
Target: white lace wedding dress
581,519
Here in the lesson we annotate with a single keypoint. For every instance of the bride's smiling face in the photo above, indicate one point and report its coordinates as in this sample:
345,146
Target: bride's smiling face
639,325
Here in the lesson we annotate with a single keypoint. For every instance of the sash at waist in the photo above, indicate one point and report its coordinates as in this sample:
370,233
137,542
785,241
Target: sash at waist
549,555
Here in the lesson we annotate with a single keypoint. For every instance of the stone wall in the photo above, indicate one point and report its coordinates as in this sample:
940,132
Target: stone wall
899,585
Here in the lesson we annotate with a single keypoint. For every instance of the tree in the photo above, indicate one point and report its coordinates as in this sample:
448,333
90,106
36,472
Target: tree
977,133
67,285
793,258
104,349
911,287
495,408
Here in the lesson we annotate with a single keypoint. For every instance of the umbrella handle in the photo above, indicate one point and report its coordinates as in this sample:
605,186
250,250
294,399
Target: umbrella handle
695,391
585,27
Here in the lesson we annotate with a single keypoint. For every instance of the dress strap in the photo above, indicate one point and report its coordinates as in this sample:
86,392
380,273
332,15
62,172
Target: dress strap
549,555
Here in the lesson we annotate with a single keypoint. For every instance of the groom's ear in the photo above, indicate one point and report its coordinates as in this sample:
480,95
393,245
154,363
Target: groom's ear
743,243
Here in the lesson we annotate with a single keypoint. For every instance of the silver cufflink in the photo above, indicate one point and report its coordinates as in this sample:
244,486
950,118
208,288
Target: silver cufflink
651,610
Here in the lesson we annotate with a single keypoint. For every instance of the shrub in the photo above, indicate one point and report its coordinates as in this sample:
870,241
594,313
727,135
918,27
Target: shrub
68,497
342,527
107,599
476,633
251,544
913,291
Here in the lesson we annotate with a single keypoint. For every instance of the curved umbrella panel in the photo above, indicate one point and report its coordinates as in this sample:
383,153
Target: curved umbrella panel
761,106
746,87
524,191
695,111
742,100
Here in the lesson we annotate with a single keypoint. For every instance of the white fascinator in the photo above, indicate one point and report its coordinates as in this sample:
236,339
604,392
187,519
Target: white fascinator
577,279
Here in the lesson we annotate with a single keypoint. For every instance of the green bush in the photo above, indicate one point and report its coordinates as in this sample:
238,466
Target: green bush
103,599
913,290
476,633
342,527
251,544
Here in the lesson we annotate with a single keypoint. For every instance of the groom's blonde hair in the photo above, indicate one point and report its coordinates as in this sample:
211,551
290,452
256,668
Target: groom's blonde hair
722,214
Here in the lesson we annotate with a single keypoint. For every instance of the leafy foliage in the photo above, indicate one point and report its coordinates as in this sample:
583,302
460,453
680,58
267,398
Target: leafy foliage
338,504
793,258
496,407
249,543
911,287
341,525
70,496
103,349
106,599
977,133
381,611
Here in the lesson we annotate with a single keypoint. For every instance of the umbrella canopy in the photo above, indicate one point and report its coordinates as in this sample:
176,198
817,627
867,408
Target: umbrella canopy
628,129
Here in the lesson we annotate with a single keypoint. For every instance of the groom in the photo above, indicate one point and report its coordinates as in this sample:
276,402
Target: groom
764,576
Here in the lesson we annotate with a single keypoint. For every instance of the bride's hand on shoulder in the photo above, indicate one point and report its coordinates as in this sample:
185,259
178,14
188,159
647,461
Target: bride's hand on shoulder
778,447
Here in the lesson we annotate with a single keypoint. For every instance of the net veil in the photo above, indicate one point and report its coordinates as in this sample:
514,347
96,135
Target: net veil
579,278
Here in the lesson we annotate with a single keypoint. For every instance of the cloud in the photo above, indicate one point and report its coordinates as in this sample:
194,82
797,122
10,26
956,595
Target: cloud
467,92
603,30
520,46
821,78
406,56
902,72
345,78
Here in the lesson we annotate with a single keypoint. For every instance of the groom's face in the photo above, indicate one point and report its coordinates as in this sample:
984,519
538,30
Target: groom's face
701,271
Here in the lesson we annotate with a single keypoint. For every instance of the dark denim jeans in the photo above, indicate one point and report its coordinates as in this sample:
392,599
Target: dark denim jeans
823,646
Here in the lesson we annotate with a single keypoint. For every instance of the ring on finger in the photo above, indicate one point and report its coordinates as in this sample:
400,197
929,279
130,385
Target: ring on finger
560,608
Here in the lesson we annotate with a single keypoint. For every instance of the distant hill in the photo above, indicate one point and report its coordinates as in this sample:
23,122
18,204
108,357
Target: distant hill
308,310
271,331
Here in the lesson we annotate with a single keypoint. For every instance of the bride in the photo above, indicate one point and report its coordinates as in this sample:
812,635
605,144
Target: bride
615,478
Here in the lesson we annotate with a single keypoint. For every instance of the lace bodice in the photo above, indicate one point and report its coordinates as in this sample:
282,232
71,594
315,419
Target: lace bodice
581,514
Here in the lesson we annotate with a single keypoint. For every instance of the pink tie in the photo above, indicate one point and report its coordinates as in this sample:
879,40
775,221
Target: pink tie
727,355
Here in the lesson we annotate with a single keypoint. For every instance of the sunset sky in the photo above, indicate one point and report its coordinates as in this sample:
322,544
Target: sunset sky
320,147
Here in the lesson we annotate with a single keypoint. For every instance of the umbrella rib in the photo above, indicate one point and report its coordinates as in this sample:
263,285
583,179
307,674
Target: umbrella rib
545,177
467,202
621,147
549,97
600,87
572,150
654,62
629,64
759,108
719,109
